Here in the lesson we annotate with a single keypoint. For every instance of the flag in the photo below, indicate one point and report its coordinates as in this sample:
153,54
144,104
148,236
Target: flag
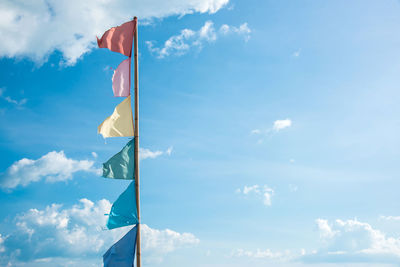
119,39
120,123
122,253
121,165
123,211
121,82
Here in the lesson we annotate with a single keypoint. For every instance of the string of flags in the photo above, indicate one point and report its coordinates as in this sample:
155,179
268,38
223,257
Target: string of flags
124,211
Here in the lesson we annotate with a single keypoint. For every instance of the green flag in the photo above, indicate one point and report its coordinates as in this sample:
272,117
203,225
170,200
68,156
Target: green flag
121,165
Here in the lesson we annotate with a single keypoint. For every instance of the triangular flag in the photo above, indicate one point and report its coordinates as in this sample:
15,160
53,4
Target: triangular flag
120,123
121,79
123,211
122,253
121,165
119,39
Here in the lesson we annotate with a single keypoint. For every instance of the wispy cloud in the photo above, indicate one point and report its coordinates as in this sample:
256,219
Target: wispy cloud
265,192
293,188
389,218
169,151
187,39
53,167
242,30
297,53
32,30
261,254
145,153
18,103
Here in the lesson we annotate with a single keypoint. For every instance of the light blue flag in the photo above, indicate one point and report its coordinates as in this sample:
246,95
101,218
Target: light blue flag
121,165
123,211
122,253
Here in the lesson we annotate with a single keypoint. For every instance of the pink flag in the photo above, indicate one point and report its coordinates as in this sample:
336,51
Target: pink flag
121,79
119,39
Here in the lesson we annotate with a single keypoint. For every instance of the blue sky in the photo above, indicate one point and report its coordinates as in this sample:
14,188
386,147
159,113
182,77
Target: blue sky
269,132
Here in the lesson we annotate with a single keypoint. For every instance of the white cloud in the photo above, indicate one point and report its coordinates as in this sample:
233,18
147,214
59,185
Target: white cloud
266,193
325,230
54,167
354,241
18,103
77,235
145,153
180,44
207,32
282,124
37,29
255,131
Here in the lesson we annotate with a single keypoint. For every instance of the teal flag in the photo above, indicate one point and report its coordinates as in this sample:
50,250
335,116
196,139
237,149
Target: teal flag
123,211
121,165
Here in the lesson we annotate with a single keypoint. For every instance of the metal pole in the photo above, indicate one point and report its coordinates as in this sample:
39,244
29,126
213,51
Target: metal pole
136,134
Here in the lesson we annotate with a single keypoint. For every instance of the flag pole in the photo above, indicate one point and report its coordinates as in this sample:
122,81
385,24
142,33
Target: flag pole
136,134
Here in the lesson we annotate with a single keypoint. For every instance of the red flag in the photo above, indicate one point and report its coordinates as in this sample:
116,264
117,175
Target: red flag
119,39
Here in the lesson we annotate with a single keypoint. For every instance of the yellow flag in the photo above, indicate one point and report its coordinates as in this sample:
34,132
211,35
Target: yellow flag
120,123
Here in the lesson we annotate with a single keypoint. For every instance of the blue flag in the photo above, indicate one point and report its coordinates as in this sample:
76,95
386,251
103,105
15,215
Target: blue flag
122,253
123,211
121,165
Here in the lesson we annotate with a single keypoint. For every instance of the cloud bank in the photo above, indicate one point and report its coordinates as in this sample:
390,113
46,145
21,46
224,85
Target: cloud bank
75,236
354,241
35,29
341,242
